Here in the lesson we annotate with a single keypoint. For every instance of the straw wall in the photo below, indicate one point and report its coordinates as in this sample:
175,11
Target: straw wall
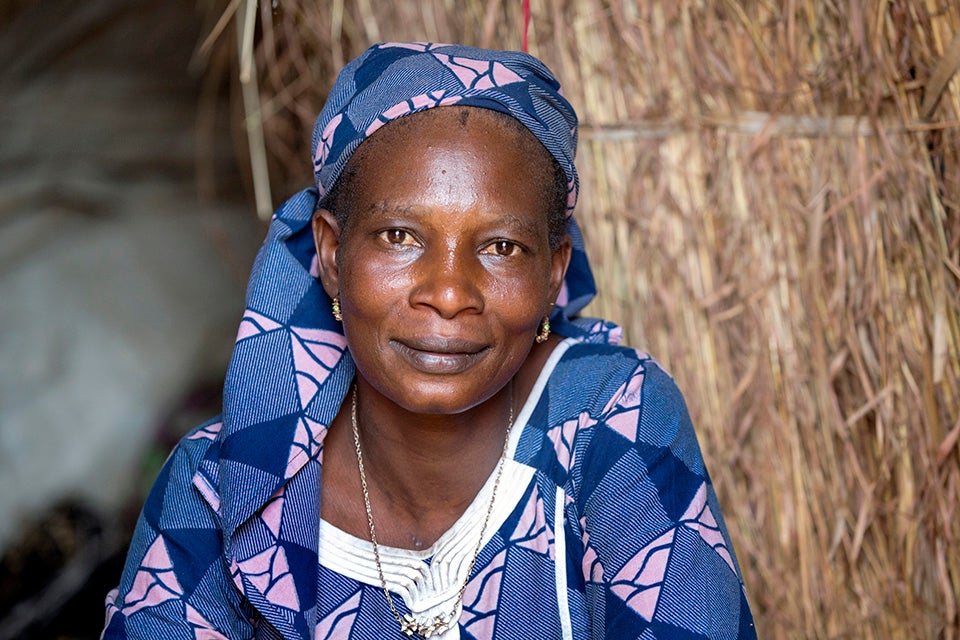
771,195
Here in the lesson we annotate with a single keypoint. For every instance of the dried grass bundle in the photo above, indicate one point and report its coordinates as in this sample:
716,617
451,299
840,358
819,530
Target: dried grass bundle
775,191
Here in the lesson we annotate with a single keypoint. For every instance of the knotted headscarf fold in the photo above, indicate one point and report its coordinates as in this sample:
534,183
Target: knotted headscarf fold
290,368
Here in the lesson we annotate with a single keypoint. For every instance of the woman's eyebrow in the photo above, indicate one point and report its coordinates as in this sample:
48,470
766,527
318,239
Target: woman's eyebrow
387,207
523,225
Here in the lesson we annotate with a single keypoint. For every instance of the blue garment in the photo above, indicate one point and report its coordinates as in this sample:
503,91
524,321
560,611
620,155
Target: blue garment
608,442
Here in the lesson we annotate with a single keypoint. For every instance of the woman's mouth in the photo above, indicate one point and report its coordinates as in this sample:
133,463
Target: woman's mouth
439,355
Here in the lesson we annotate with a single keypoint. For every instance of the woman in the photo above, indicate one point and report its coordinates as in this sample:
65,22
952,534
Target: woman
408,447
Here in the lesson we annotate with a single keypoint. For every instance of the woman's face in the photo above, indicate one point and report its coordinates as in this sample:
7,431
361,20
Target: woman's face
446,270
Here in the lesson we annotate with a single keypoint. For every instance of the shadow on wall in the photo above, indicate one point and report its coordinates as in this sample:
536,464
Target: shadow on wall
121,290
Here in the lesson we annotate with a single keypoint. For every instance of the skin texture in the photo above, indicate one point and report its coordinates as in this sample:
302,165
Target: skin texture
444,273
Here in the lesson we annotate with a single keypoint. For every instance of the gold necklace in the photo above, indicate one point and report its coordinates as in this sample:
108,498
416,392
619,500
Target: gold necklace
441,622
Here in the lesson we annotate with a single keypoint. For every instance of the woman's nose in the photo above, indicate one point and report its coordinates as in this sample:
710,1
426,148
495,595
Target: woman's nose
449,281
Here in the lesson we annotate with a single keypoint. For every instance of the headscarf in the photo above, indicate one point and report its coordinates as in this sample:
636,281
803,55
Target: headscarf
393,80
290,367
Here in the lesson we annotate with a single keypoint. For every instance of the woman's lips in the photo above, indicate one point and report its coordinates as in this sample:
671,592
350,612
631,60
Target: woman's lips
438,355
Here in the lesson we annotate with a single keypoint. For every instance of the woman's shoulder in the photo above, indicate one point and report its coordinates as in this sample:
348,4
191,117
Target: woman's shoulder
603,354
640,498
613,402
602,377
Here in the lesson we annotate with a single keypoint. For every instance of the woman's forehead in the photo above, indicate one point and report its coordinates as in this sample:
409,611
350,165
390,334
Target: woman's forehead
453,137
475,146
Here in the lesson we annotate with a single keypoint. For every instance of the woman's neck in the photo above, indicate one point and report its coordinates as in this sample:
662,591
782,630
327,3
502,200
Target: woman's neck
423,463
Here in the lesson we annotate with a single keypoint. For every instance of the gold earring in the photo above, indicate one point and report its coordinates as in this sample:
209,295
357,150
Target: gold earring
544,331
336,309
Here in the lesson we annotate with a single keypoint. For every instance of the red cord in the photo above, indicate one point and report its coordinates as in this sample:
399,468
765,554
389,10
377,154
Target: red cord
526,26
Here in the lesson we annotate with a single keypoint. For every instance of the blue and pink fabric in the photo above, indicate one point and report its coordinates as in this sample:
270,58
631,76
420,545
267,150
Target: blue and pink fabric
612,529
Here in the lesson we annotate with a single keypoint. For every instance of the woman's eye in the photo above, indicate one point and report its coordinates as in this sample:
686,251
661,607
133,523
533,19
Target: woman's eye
502,248
397,236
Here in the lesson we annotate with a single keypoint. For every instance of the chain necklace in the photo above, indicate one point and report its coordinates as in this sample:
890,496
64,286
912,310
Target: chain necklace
441,622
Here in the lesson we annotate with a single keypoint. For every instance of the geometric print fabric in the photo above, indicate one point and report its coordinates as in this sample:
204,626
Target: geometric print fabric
647,553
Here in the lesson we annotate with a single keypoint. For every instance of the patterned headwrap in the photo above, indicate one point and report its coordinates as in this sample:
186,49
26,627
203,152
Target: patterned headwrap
290,368
392,80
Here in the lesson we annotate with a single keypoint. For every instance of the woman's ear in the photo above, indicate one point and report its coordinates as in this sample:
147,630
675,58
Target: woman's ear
558,268
326,238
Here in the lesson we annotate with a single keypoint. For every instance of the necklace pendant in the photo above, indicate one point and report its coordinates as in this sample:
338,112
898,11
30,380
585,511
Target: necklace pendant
413,627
